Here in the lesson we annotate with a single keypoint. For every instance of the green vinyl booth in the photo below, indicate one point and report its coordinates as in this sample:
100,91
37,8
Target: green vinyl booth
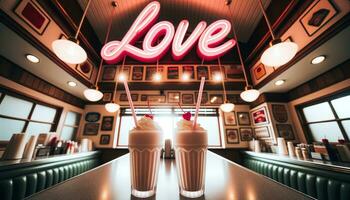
21,180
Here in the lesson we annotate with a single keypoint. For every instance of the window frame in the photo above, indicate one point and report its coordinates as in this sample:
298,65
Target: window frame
76,127
122,113
35,102
324,99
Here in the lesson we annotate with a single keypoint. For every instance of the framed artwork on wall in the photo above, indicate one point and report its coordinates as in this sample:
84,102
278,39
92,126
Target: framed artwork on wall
137,73
92,116
214,70
86,69
262,132
188,69
104,139
318,16
285,131
156,98
109,73
126,71
143,97
187,99
123,97
259,71
173,72
33,15
233,71
202,71
246,134
216,99
204,97
150,71
91,128
230,118
279,113
107,96
243,118
232,136
107,123
260,116
173,97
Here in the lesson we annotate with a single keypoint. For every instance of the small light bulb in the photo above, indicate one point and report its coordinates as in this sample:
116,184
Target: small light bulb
280,82
32,58
121,77
157,77
217,77
318,60
185,77
72,83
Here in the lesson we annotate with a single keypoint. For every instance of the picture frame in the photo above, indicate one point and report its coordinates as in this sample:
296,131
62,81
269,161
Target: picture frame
230,118
262,132
279,113
232,136
107,96
144,97
92,117
156,98
259,116
246,133
202,71
173,97
259,71
216,99
33,15
214,69
243,118
188,69
318,16
91,128
86,69
205,97
285,131
107,123
109,73
137,73
150,71
104,139
126,71
172,72
187,99
124,97
233,71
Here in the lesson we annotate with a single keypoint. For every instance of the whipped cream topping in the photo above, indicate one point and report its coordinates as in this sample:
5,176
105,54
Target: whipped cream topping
146,123
188,125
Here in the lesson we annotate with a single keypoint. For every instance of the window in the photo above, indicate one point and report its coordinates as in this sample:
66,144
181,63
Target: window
20,114
167,118
329,118
70,126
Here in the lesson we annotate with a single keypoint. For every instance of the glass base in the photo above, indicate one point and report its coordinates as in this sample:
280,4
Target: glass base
191,194
142,194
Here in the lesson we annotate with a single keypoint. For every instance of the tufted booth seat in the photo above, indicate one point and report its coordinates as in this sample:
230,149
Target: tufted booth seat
320,183
22,180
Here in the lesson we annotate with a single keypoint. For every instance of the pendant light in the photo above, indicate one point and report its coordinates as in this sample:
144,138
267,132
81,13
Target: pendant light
69,50
93,94
249,94
226,106
279,53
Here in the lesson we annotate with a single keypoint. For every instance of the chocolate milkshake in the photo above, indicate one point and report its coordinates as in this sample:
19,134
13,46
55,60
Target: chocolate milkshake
190,154
145,144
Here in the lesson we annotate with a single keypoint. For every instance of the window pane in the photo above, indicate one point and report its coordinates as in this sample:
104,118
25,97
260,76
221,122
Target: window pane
43,113
68,133
329,130
9,127
342,106
346,125
35,128
14,107
72,119
126,125
318,112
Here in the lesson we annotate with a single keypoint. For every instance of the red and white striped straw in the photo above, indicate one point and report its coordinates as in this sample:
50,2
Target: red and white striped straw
199,100
130,101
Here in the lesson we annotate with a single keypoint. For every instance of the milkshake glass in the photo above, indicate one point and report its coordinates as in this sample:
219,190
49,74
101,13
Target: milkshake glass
190,154
145,144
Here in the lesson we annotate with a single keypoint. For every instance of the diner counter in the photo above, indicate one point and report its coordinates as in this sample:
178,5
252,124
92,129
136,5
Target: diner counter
224,180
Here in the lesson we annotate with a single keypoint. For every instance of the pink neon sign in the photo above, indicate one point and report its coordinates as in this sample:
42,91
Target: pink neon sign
208,38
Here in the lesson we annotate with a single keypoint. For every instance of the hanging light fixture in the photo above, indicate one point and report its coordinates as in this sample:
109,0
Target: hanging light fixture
93,94
279,53
249,94
112,106
226,106
69,50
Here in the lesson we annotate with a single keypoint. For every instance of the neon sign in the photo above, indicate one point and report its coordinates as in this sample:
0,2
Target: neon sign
209,39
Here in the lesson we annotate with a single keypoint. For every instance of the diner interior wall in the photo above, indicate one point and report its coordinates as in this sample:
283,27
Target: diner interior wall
25,91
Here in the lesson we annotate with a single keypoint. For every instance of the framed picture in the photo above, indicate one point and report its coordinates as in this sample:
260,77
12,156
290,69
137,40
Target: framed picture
259,116
143,97
232,136
86,69
104,139
126,71
233,71
107,96
123,97
318,16
243,118
134,97
107,123
204,97
109,73
33,15
202,71
230,118
173,97
188,69
150,71
214,70
92,116
187,99
259,71
173,72
262,132
216,99
137,73
246,134
156,98
279,113
91,128
285,131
